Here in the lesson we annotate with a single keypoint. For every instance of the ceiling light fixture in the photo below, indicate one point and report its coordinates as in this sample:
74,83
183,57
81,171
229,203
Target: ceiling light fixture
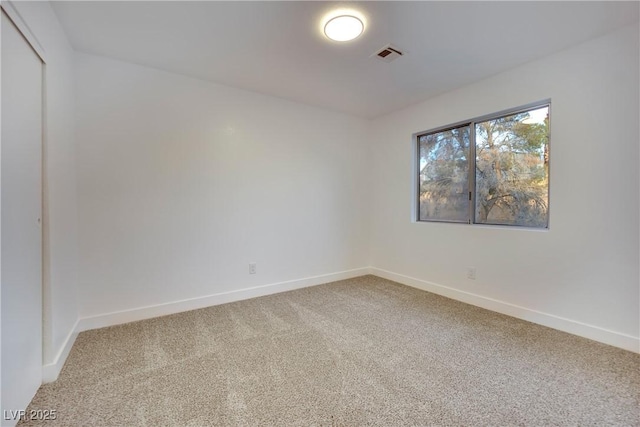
343,28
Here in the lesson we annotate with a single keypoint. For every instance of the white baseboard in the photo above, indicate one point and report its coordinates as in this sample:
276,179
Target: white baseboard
51,371
126,316
595,333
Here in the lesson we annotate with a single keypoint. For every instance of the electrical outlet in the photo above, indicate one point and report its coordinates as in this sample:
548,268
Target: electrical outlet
252,268
471,273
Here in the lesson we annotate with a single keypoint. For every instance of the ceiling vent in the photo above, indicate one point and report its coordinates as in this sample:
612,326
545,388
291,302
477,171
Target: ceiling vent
388,53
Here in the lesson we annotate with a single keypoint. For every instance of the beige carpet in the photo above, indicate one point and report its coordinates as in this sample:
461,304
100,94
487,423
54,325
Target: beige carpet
365,351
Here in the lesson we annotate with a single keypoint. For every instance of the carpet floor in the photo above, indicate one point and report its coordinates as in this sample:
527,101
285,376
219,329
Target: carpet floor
364,351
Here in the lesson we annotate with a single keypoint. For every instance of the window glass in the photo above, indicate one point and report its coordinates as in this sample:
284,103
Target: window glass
512,169
492,170
444,175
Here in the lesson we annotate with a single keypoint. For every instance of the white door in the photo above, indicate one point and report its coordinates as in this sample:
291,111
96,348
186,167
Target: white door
20,211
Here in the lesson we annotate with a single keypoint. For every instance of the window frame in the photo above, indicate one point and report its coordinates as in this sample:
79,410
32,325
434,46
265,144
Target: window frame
471,123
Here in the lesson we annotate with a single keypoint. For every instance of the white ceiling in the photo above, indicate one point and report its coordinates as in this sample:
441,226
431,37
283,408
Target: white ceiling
277,48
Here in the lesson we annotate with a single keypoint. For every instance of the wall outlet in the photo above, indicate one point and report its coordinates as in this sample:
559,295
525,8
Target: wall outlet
252,268
471,273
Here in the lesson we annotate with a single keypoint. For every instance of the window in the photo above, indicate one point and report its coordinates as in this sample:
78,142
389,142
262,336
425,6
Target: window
488,170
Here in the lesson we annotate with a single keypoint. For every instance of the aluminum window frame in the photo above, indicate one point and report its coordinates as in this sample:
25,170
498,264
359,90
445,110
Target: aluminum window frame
471,124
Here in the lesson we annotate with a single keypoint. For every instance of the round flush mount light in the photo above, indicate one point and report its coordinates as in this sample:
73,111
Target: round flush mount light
343,28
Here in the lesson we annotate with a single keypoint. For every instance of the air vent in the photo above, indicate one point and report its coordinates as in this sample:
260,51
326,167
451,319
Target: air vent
388,53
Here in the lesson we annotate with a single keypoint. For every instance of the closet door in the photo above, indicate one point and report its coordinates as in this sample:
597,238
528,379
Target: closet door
21,232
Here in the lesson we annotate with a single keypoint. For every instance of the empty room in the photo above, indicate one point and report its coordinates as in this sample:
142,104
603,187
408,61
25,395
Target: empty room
320,213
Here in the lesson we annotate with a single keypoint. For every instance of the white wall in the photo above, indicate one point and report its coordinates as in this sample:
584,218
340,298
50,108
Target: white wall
60,237
182,183
585,267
